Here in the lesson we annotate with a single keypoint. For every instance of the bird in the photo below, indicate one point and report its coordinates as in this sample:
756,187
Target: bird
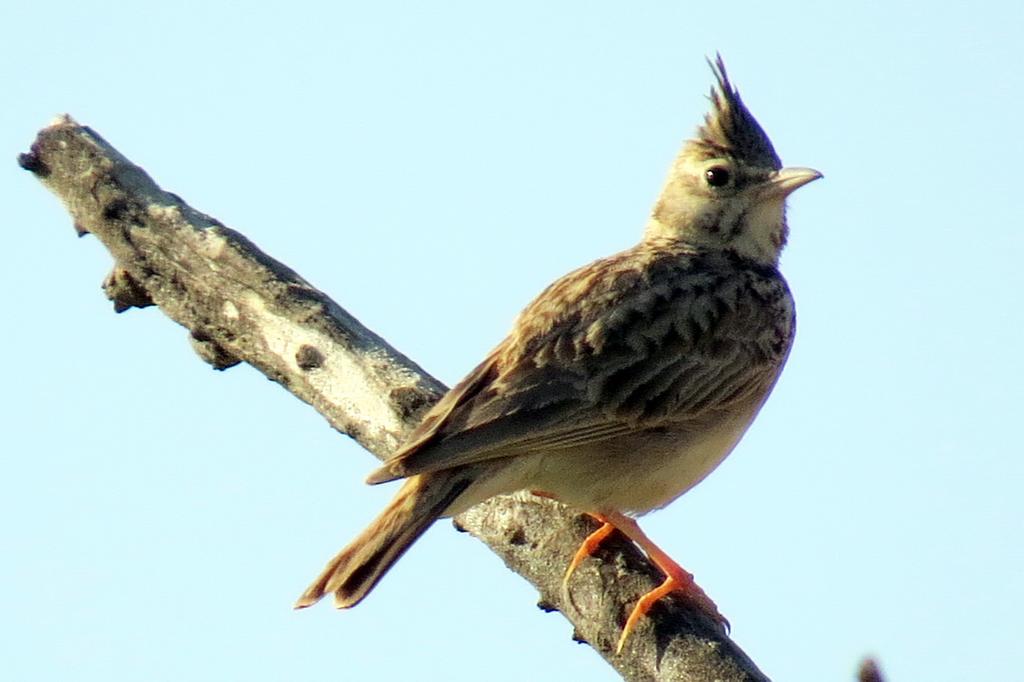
626,381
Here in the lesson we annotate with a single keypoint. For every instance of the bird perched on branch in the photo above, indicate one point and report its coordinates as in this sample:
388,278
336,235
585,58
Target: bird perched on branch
625,382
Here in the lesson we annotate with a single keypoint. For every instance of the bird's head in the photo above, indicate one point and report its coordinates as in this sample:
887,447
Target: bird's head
727,188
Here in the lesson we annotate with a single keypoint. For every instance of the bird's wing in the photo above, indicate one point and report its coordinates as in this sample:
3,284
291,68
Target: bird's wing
485,414
597,356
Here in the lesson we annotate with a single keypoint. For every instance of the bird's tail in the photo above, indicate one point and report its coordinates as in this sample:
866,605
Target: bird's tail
354,571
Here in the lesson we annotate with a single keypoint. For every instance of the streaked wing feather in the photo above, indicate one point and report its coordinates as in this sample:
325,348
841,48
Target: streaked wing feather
504,438
466,391
583,365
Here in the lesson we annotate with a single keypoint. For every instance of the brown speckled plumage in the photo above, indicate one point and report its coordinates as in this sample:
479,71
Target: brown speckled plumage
654,337
626,381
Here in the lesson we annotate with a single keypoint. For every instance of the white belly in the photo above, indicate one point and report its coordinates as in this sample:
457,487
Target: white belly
637,476
631,474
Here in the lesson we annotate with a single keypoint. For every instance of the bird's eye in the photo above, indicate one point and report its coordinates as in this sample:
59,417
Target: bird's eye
717,176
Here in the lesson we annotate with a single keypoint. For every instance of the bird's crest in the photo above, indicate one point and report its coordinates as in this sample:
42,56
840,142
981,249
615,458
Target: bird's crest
730,128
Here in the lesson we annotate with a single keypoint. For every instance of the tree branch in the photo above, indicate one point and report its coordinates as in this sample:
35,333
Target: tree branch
241,305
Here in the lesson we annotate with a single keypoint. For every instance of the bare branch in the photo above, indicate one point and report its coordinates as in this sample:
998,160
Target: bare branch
240,305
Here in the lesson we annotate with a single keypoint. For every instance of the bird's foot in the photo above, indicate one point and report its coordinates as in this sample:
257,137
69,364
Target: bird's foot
678,582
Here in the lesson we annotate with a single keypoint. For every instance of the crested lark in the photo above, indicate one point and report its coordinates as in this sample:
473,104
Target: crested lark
625,382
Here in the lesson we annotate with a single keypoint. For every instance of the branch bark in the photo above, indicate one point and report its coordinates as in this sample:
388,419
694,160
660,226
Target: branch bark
240,305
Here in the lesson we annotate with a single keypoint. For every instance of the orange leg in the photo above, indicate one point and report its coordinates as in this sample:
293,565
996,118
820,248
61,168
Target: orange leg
589,546
677,579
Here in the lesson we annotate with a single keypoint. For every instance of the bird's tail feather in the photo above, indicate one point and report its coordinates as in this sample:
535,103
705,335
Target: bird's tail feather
355,570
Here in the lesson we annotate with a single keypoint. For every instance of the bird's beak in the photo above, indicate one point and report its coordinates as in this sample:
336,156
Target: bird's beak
783,182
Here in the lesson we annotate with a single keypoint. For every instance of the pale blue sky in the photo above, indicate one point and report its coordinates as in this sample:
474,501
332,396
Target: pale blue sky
434,168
